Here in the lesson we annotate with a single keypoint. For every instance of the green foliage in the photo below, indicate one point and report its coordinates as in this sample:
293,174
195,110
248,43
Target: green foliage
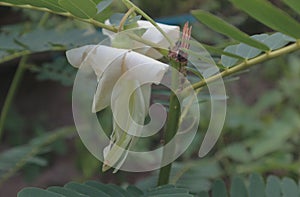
244,51
238,188
268,14
15,158
223,27
41,39
196,176
85,10
294,4
95,189
253,47
58,70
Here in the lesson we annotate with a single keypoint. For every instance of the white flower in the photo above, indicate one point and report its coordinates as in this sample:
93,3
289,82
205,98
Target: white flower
150,34
109,65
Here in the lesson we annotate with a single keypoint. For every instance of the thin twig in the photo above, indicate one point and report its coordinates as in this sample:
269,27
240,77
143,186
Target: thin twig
125,17
11,93
128,3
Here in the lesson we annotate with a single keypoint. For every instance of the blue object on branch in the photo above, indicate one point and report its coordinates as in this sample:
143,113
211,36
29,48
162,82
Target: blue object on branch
176,20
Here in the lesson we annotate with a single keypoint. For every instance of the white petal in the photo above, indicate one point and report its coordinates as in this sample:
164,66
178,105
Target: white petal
106,83
152,34
77,56
155,36
103,56
150,70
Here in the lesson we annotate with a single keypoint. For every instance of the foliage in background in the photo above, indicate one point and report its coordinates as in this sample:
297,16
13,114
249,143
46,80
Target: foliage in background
264,140
12,160
257,187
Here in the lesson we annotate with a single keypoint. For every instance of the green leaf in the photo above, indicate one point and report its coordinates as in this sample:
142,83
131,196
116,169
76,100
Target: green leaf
227,29
65,192
230,61
294,4
168,190
93,190
15,2
273,41
204,194
103,5
97,1
257,186
218,51
82,9
134,191
237,152
45,40
50,4
31,192
289,188
197,176
238,188
102,187
274,139
122,191
7,42
219,189
85,189
273,187
268,14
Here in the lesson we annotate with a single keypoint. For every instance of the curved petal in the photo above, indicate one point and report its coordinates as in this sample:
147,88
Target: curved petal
149,69
152,34
110,63
77,56
152,70
155,36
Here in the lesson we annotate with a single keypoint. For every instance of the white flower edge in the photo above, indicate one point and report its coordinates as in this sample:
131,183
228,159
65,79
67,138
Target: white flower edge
151,34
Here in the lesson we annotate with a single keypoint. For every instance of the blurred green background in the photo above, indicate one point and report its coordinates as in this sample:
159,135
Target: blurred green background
261,133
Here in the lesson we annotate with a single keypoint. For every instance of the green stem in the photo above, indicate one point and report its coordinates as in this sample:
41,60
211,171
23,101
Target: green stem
26,52
171,129
125,17
14,56
43,19
248,63
11,93
128,3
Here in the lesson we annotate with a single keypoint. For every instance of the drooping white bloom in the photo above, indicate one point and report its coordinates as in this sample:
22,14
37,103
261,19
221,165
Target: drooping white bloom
151,34
109,65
